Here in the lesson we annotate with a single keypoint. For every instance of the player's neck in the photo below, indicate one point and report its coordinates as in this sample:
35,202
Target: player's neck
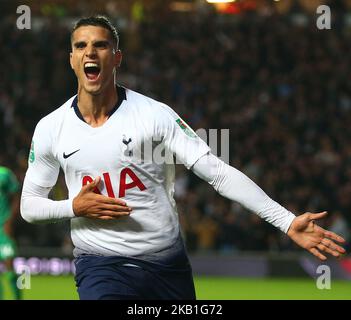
95,109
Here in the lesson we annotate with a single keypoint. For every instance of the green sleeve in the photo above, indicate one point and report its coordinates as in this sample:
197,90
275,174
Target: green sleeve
13,183
9,182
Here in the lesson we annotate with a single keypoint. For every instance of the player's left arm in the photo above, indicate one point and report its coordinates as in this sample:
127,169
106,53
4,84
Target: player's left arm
195,154
236,186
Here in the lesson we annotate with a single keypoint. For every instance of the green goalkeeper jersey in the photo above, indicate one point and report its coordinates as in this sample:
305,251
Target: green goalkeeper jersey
8,186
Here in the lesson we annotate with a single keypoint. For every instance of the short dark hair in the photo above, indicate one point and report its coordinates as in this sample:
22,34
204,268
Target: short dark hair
99,21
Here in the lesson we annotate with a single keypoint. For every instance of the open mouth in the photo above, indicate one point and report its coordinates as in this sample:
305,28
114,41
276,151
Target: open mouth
92,70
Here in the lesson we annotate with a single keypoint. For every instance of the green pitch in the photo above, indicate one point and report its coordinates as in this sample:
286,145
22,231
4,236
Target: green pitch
63,288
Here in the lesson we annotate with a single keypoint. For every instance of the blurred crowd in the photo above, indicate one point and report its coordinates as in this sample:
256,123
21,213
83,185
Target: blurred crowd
281,87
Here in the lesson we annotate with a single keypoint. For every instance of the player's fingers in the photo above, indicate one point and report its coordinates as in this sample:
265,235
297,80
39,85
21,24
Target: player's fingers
330,244
114,201
109,217
334,236
100,217
90,186
114,213
107,200
326,249
316,216
106,216
316,253
115,208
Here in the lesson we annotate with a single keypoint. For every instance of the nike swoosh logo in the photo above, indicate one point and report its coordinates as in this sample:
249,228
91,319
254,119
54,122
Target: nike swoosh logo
65,156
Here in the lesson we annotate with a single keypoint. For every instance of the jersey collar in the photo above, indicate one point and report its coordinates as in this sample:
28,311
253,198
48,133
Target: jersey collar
121,92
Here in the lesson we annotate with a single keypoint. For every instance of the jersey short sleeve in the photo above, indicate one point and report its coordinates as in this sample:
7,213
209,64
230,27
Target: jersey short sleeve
43,167
179,138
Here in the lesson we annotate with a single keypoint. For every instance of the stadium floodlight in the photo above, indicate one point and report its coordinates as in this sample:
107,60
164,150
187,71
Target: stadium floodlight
220,1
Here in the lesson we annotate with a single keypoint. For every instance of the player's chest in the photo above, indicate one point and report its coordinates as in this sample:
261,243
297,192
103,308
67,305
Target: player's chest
113,146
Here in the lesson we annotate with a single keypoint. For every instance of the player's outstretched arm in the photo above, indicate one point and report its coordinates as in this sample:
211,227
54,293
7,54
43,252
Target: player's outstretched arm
92,205
234,185
308,235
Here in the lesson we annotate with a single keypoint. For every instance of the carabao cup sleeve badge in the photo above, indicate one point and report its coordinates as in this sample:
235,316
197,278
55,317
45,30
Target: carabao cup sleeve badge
189,132
31,157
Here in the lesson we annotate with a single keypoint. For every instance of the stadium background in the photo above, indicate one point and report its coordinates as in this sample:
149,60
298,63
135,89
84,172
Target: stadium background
260,68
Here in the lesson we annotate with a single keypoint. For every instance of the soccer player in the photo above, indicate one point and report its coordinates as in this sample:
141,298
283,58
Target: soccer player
9,203
124,222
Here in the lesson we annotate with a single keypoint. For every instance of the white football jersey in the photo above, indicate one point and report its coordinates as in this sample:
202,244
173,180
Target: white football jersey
132,152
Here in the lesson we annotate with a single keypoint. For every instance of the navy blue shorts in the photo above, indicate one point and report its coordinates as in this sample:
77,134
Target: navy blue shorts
108,278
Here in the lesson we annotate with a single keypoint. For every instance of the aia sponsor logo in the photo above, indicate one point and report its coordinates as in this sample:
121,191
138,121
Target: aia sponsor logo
123,185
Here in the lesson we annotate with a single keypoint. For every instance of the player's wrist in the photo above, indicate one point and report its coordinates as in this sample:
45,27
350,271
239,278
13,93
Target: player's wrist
290,220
